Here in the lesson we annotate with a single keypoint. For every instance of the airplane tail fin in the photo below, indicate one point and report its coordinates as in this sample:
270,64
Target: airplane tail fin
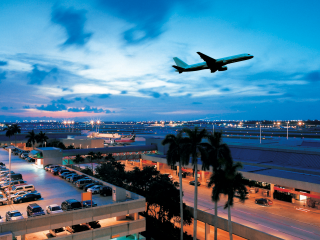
180,63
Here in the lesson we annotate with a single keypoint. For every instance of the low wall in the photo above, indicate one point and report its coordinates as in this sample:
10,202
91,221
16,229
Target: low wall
119,230
237,229
53,221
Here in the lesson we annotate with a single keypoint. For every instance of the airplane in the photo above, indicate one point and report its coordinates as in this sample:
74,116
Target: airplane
209,63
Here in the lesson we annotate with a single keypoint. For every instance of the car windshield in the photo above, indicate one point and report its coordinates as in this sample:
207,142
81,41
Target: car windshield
16,214
56,208
76,205
38,209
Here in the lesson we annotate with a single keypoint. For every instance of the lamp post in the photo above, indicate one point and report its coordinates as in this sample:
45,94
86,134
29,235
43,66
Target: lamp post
80,145
260,133
98,123
72,122
91,122
287,130
9,197
65,125
45,144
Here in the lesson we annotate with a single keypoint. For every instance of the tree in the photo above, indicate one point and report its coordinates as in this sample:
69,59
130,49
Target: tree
78,159
112,172
41,137
98,155
70,147
218,155
228,181
177,153
194,147
91,157
31,138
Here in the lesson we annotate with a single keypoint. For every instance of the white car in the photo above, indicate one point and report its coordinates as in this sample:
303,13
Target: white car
53,208
1,219
3,199
95,189
14,215
17,194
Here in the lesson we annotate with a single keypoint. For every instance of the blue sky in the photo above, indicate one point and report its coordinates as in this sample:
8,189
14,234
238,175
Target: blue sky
111,60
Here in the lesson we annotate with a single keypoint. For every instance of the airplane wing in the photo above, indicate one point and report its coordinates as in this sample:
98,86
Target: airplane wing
211,62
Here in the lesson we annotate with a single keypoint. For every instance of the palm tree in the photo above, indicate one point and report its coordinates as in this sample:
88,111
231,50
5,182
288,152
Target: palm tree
194,147
228,181
9,131
176,153
218,155
78,159
41,137
31,138
15,129
92,156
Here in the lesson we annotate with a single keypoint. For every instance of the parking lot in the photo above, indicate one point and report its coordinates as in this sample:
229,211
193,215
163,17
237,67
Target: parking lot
53,189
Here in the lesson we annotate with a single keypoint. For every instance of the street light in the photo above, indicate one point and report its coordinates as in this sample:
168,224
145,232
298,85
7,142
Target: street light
98,123
10,147
287,130
91,122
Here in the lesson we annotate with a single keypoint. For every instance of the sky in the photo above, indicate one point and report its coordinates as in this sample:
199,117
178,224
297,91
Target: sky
112,60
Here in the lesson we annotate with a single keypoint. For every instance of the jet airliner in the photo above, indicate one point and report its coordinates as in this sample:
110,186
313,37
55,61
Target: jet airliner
209,63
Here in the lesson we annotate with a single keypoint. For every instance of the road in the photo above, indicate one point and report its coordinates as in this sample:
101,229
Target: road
282,219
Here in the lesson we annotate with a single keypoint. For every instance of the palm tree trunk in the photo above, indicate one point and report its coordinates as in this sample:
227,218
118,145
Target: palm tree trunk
181,201
216,220
195,213
229,222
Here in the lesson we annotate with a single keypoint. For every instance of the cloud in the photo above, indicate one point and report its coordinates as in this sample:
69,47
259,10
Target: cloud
3,63
87,109
73,21
52,108
225,89
37,76
148,17
196,103
313,76
5,108
124,92
103,95
26,107
2,76
150,93
88,99
62,100
77,98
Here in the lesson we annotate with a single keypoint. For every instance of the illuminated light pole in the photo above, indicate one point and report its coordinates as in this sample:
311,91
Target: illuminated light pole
260,133
98,123
287,130
91,122
80,145
45,144
69,122
9,197
65,125
72,126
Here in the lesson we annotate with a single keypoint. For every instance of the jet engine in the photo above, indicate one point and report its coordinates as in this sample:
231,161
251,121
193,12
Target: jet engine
223,68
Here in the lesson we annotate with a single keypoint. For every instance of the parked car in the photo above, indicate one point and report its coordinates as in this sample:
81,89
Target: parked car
34,210
1,220
53,208
65,174
15,176
89,203
58,232
63,171
51,166
106,191
5,174
74,179
21,187
85,188
77,228
46,166
71,204
29,159
14,182
193,183
56,169
3,199
17,194
27,197
68,177
237,194
82,182
95,189
13,215
264,201
94,224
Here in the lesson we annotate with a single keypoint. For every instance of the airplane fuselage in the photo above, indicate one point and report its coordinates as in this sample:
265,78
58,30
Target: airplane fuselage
215,64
